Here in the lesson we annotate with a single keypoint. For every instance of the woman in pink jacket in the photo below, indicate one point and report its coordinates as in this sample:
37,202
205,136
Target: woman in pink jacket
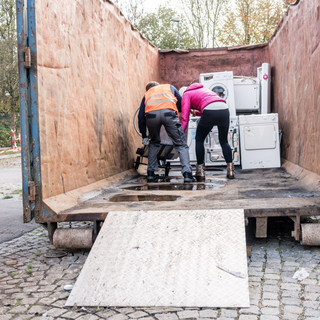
214,112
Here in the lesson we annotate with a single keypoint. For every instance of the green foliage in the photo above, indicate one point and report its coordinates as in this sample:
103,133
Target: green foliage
5,128
162,32
9,80
133,10
251,22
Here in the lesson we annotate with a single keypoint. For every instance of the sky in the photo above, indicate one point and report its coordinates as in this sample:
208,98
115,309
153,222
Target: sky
152,5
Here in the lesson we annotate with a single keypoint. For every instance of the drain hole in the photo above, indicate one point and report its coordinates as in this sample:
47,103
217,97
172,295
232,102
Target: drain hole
147,197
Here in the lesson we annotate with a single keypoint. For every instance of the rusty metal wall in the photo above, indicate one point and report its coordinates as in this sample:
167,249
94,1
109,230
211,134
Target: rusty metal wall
92,70
295,59
181,69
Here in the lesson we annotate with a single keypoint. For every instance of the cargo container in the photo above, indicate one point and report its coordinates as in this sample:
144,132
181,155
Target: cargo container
83,70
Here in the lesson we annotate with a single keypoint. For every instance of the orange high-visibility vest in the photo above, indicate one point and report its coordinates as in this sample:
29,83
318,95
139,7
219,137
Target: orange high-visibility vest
160,97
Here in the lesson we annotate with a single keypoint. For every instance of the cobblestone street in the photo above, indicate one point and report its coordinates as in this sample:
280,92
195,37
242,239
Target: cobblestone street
32,284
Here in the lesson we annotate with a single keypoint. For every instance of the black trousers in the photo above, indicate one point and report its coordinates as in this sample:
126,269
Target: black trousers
209,119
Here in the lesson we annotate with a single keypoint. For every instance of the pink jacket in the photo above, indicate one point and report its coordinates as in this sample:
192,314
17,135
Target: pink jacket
196,97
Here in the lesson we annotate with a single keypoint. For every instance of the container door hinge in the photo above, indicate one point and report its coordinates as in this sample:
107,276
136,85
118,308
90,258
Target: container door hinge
31,191
27,57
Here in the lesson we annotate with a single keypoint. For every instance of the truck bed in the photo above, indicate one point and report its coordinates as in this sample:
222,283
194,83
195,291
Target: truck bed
261,193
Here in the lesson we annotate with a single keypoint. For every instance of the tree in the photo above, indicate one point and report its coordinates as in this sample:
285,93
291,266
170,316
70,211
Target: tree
162,32
9,79
133,10
251,21
203,17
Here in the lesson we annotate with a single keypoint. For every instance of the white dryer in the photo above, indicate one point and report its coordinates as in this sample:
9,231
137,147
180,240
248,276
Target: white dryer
259,141
222,84
247,94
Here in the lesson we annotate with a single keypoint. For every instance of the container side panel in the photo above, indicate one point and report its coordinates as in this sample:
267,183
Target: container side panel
34,111
295,60
92,68
22,32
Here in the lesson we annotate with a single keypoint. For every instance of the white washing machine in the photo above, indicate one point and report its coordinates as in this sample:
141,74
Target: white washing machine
191,142
259,141
222,84
213,152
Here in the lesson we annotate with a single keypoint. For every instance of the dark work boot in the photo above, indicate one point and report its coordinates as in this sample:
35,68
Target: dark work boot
151,176
188,177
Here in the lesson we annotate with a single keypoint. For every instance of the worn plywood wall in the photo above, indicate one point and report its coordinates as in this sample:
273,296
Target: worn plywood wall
295,60
92,71
181,69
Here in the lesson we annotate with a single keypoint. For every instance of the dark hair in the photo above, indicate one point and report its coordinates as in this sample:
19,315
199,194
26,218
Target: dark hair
151,84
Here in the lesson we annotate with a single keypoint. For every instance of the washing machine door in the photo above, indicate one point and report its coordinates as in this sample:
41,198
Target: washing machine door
221,90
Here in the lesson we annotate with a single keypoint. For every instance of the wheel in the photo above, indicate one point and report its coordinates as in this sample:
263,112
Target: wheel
137,163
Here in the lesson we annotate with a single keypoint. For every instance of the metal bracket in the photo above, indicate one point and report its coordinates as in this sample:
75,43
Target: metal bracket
27,57
296,233
31,191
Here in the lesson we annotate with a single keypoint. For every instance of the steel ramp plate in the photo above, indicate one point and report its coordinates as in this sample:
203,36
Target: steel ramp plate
166,258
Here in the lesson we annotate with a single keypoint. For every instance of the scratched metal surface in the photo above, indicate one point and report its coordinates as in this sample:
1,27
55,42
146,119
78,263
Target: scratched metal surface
167,258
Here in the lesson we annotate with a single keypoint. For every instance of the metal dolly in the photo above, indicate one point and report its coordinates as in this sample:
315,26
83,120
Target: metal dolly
165,153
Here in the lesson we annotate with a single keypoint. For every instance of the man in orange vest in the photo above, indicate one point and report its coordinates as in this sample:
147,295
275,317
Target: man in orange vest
160,106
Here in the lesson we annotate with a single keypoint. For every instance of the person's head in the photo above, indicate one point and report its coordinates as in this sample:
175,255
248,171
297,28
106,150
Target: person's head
151,84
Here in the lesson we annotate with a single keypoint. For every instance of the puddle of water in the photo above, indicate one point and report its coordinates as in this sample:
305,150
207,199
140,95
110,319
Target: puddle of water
176,186
146,197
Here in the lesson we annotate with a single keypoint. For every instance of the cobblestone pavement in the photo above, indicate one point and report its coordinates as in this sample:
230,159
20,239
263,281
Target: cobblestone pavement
32,284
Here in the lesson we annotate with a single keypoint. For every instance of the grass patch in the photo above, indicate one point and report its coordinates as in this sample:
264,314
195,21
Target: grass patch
7,153
18,302
7,197
14,274
18,191
37,254
29,270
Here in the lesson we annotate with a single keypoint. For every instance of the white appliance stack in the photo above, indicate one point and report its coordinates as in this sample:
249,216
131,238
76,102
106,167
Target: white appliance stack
222,84
254,131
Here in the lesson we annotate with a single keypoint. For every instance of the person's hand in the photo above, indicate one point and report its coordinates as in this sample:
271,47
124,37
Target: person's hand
145,141
193,112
